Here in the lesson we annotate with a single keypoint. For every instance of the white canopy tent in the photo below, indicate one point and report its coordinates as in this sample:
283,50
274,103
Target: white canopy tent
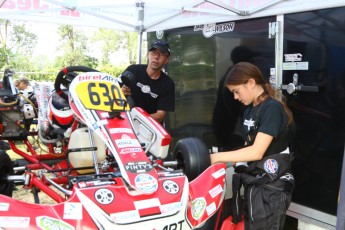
151,15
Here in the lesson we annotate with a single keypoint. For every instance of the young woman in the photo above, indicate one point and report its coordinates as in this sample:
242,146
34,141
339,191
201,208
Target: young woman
263,165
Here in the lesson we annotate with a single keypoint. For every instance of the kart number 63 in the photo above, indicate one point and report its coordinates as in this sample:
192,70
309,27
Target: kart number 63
101,95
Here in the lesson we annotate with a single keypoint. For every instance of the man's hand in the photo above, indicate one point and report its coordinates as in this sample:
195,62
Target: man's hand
126,90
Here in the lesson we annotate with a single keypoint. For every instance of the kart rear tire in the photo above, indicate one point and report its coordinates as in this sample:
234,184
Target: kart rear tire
192,156
6,169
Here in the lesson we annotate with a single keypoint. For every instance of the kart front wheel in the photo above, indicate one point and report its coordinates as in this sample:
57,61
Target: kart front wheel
192,156
6,169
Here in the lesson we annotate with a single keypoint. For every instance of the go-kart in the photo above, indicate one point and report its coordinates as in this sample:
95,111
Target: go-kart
105,163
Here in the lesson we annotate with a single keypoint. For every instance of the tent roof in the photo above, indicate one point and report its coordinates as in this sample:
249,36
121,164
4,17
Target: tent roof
151,15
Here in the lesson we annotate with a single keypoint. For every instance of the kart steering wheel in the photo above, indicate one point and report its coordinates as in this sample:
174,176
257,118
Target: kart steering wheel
64,78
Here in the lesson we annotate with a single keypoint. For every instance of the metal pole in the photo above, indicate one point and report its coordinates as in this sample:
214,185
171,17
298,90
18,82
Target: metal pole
140,28
341,204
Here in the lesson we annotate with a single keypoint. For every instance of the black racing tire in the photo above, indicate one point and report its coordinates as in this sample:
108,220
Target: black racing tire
192,155
6,169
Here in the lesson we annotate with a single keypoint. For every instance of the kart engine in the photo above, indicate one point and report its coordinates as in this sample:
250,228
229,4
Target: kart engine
15,116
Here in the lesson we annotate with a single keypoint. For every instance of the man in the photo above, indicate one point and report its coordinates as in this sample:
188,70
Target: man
152,89
22,83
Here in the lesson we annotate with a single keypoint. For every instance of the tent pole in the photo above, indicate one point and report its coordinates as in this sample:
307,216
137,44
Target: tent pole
140,27
140,44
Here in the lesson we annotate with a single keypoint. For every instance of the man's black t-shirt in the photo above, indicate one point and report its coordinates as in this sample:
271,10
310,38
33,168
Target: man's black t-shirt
152,95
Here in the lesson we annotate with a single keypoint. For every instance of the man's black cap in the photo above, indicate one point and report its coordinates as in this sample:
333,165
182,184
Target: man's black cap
163,46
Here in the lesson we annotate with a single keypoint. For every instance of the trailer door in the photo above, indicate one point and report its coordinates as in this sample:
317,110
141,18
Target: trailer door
313,81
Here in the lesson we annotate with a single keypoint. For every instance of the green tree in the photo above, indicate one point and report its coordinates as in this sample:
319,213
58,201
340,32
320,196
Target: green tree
111,41
74,48
16,42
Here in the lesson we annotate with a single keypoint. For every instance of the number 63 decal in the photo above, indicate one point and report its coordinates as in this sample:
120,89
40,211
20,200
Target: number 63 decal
101,95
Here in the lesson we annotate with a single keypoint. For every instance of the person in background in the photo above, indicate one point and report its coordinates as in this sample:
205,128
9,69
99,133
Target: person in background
263,164
153,90
22,83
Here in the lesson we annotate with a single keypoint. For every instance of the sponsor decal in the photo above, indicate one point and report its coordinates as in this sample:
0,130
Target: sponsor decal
104,196
46,222
146,183
175,226
124,217
173,207
216,191
120,130
4,206
125,136
171,187
211,209
86,77
271,166
95,126
288,177
85,184
125,143
169,174
73,211
219,173
14,222
159,34
198,207
293,57
138,167
130,150
208,30
109,78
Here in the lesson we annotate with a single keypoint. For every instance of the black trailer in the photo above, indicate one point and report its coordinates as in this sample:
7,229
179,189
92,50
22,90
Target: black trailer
303,55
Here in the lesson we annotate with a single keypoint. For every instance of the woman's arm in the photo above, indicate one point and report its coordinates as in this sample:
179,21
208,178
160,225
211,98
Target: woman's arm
250,153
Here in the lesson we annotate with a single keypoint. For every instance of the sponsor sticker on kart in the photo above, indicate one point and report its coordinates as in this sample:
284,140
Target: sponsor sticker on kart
125,217
198,207
104,196
211,209
14,222
171,186
216,191
102,95
73,211
120,130
146,183
125,143
138,167
46,222
130,150
4,206
170,208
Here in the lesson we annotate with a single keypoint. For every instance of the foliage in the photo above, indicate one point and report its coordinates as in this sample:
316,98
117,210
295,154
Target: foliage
74,48
112,41
104,51
115,71
16,45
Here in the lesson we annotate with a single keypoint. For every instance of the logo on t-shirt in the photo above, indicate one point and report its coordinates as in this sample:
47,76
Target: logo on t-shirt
146,89
249,123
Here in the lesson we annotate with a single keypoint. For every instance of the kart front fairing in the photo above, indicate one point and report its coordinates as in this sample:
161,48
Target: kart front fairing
139,193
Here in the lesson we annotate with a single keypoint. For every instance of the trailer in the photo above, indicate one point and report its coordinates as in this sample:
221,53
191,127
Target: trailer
301,54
